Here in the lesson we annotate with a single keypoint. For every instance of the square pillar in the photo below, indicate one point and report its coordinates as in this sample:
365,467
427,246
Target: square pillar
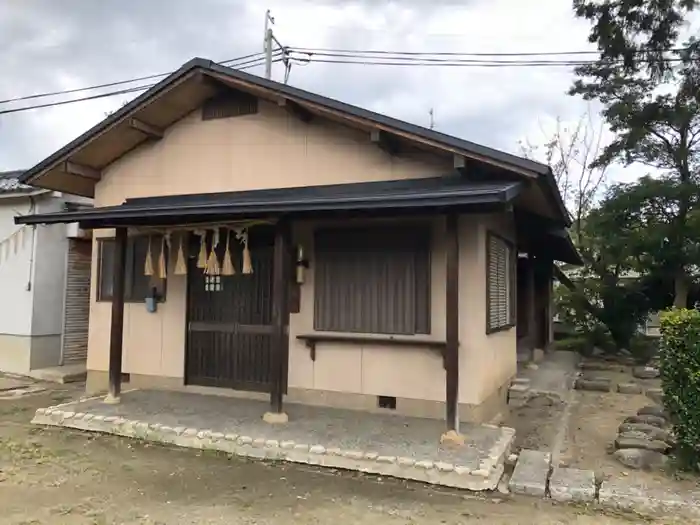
116,336
452,328
281,272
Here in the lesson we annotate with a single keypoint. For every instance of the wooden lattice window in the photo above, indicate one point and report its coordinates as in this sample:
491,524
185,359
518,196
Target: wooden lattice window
372,280
500,283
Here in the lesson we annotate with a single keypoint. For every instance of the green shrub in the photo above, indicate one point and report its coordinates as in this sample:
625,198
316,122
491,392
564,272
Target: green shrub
680,377
643,348
574,343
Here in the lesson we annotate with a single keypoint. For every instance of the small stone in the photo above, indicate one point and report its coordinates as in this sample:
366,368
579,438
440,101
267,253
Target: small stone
646,444
371,456
386,459
215,436
190,432
227,437
165,429
647,420
87,417
512,459
334,451
301,447
406,462
202,434
629,388
462,470
651,431
68,415
40,411
655,394
245,440
259,442
646,372
353,454
653,410
317,449
633,434
272,443
593,385
425,464
444,467
179,430
287,445
638,458
79,415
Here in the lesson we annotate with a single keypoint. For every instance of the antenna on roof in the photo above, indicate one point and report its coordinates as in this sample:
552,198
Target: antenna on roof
432,119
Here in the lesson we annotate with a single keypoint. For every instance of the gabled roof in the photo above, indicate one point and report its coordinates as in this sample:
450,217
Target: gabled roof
184,90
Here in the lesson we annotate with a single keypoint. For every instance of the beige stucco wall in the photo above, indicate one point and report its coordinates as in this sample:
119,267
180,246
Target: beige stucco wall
270,150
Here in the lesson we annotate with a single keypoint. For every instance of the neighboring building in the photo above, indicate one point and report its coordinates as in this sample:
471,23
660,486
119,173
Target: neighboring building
33,277
384,255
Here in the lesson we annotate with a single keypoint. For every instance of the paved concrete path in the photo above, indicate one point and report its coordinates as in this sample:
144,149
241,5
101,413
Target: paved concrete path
554,374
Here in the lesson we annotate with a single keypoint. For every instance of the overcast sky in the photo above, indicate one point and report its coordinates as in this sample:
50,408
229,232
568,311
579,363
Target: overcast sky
48,45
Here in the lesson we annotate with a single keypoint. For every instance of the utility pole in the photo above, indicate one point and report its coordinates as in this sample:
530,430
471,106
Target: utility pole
267,44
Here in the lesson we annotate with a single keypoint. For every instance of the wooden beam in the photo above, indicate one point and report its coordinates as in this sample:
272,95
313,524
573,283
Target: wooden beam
295,109
116,335
452,317
384,141
150,131
281,272
73,168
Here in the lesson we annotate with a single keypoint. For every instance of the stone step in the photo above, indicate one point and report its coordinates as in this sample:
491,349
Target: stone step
531,473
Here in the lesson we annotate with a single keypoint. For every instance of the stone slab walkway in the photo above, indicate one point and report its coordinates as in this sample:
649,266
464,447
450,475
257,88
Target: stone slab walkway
389,444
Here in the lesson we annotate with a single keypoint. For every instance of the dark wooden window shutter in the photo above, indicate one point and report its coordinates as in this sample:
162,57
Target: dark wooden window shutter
372,280
500,283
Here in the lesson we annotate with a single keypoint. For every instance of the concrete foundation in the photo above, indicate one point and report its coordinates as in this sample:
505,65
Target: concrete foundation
396,446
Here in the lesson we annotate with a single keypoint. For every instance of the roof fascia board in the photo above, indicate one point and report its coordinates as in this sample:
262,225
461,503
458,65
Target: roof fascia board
167,84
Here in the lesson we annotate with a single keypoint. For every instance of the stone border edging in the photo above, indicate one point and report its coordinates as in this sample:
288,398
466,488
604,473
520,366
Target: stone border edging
566,485
485,477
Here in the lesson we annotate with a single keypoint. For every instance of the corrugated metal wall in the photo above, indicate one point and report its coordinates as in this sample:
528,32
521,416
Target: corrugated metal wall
77,301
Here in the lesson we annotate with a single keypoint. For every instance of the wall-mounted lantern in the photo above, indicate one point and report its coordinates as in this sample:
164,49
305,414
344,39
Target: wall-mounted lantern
301,264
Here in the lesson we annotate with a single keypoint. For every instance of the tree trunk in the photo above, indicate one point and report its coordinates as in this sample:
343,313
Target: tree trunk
680,289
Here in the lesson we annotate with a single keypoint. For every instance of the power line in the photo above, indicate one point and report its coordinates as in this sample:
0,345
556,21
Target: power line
255,56
332,58
108,94
453,53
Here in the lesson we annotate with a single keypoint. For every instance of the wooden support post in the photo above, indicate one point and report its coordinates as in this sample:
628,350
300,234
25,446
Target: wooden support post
531,305
280,319
117,329
452,329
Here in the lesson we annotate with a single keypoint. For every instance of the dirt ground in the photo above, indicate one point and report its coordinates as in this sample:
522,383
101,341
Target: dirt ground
536,422
59,476
595,418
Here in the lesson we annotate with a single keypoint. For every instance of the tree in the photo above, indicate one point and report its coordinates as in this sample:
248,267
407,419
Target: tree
648,83
571,151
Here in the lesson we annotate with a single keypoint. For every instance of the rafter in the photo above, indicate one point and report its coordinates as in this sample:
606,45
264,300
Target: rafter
384,141
295,109
152,132
87,172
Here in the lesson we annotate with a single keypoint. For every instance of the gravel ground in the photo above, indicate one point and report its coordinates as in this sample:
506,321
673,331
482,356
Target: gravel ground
59,476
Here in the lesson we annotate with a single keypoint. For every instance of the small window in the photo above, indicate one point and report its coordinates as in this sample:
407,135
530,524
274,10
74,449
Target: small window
373,280
212,283
137,285
386,402
500,283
